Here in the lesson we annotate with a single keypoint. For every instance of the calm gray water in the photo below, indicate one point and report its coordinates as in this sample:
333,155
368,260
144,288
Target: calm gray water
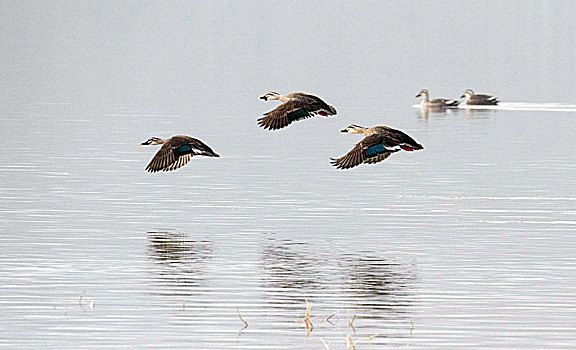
467,244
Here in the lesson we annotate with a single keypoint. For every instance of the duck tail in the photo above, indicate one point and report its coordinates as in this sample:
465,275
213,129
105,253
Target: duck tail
326,112
411,147
209,153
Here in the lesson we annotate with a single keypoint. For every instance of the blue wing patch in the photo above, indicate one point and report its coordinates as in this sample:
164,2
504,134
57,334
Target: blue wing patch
184,149
375,150
297,114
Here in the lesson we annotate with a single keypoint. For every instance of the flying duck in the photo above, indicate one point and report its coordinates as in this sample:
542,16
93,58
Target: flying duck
378,144
473,99
296,106
176,152
438,102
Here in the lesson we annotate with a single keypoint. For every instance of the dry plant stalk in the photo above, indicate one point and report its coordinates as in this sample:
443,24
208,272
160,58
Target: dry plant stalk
365,338
329,317
411,326
307,319
325,344
80,299
349,343
241,319
351,323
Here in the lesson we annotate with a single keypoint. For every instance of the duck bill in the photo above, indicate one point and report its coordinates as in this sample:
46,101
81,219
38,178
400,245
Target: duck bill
418,95
144,143
264,98
462,96
344,130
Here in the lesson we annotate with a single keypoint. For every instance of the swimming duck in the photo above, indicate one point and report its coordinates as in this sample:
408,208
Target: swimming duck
378,144
473,99
176,152
438,102
296,106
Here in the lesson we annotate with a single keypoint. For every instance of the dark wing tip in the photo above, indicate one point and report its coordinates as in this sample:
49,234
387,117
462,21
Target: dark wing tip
262,123
337,162
270,123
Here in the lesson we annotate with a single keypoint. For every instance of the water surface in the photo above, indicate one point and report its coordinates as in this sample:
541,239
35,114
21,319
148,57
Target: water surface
466,244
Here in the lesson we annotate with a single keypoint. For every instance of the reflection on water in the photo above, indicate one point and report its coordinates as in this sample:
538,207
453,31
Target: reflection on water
361,284
425,111
365,289
481,110
376,284
284,267
479,113
180,261
472,239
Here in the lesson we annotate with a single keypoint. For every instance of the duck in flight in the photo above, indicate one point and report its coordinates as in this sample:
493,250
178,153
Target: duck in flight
176,152
435,103
378,144
295,106
474,99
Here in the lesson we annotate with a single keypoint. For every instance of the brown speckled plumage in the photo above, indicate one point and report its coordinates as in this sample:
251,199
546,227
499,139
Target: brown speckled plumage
176,152
382,140
296,106
437,103
479,99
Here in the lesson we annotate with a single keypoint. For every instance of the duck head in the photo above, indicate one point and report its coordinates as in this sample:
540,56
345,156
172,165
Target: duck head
153,141
354,129
271,96
424,93
467,94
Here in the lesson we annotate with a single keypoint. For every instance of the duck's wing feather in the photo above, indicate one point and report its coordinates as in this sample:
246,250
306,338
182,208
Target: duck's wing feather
444,102
301,106
483,100
197,147
285,114
370,150
164,159
483,96
315,104
180,162
395,138
380,157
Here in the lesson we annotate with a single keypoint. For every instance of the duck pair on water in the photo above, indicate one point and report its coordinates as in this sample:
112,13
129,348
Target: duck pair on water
378,144
469,95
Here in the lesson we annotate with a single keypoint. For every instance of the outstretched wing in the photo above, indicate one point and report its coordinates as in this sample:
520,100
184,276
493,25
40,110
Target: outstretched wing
164,159
284,115
370,151
380,157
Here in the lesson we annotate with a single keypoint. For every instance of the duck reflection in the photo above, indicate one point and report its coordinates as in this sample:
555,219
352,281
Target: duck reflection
479,113
362,283
425,111
374,283
286,268
180,262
